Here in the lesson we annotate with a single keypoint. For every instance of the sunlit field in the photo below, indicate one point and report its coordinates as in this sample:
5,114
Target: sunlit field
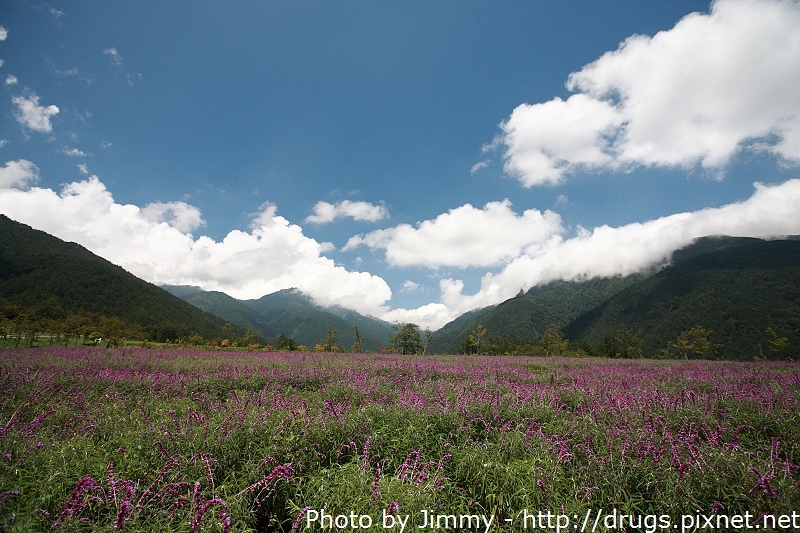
95,439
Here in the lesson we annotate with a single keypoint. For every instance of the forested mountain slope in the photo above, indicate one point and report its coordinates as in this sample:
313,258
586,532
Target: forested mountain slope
49,279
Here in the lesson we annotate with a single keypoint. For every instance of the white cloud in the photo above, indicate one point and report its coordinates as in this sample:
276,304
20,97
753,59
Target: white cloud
179,215
153,243
545,141
3,33
606,251
325,212
410,286
56,14
33,116
11,80
479,166
431,316
463,237
695,94
19,174
73,152
112,53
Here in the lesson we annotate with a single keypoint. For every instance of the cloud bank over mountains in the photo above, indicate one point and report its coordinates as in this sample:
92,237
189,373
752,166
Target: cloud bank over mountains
714,86
155,242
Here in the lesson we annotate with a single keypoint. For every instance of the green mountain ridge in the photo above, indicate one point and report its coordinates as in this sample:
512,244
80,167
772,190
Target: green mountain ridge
526,316
734,287
291,313
42,276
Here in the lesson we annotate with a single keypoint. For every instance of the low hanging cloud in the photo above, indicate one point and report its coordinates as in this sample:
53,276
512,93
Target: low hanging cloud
155,244
325,212
463,237
608,251
698,93
32,115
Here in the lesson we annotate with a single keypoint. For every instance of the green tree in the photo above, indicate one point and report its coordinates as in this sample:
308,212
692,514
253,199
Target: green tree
777,345
623,344
286,343
428,340
474,341
553,341
330,339
696,343
227,330
194,339
359,339
249,336
407,340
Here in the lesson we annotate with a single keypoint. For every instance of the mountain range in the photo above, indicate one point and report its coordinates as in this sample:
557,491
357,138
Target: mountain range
734,288
291,313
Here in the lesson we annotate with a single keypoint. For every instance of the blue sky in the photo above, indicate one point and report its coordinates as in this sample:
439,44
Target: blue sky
409,160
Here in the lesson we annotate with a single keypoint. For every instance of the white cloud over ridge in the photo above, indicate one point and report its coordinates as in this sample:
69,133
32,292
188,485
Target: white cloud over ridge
607,251
463,237
325,212
528,249
154,244
695,94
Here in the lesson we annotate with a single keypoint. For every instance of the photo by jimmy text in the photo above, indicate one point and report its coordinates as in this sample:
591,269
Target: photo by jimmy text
593,520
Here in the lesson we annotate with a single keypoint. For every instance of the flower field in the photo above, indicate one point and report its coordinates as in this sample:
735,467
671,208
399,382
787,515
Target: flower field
176,440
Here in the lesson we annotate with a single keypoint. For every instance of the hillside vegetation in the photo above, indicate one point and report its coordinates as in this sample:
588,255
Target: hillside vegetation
721,297
528,315
292,314
734,288
60,287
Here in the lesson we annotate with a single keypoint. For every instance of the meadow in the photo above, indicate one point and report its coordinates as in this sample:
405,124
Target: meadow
95,439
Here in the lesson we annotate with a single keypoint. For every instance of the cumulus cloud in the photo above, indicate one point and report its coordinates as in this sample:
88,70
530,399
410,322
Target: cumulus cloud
325,212
695,94
19,174
463,237
11,80
607,251
179,215
32,115
3,33
154,244
545,141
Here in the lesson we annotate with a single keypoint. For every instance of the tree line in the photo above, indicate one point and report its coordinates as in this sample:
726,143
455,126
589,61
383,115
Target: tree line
694,343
